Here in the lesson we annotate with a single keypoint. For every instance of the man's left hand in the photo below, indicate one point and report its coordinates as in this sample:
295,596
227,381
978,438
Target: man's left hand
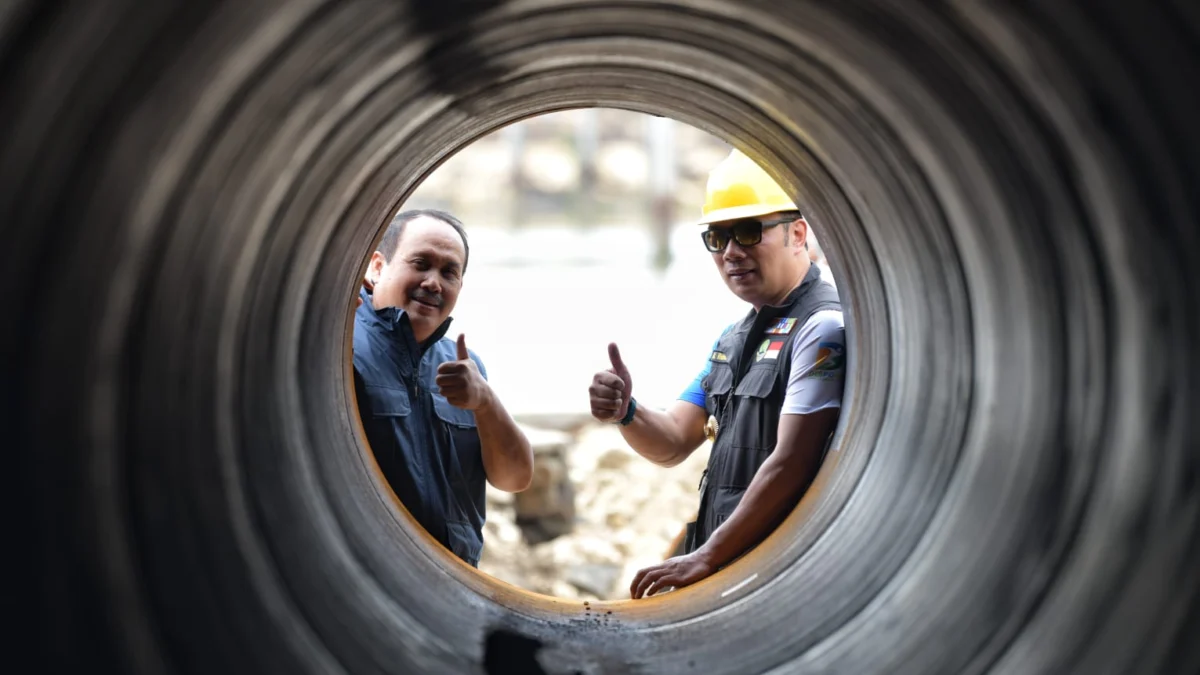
676,572
367,284
461,382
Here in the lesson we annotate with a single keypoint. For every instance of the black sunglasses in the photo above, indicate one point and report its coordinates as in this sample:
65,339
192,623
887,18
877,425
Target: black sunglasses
746,232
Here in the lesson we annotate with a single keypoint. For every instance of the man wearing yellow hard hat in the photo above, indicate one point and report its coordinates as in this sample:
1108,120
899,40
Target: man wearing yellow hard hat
769,395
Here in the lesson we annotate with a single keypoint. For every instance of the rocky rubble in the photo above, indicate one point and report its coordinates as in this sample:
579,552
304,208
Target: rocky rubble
625,514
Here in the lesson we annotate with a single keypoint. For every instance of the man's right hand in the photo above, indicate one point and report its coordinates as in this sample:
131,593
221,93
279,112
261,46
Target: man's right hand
611,389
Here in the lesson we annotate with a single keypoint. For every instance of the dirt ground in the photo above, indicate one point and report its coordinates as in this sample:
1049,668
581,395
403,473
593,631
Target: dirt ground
628,512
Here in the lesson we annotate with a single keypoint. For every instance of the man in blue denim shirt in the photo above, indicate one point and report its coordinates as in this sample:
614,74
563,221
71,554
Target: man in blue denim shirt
436,428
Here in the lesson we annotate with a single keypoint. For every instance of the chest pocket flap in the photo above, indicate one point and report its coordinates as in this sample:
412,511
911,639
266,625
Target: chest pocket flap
388,402
759,381
457,417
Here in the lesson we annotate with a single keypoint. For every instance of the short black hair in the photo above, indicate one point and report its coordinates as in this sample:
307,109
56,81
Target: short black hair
391,237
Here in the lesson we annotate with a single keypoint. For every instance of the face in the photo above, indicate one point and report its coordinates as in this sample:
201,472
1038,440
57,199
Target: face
423,277
766,272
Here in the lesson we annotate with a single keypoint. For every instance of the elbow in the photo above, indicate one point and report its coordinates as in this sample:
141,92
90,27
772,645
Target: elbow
514,484
520,482
519,475
675,459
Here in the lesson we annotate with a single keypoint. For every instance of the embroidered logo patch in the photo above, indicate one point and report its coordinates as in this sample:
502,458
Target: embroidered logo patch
831,358
769,349
718,356
781,327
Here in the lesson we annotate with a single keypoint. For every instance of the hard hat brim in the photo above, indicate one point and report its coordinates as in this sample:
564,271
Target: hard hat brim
745,211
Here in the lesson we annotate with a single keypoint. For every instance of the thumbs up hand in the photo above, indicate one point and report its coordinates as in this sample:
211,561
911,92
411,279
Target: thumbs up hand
611,389
461,382
463,353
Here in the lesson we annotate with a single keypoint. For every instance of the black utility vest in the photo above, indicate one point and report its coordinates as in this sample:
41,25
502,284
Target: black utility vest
745,392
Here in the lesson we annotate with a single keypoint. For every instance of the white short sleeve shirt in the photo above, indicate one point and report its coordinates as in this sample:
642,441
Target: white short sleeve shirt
818,372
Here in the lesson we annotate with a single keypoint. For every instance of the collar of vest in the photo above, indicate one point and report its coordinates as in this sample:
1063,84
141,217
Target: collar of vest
395,320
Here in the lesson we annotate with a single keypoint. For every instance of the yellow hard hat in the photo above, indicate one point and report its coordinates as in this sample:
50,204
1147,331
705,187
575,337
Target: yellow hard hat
739,188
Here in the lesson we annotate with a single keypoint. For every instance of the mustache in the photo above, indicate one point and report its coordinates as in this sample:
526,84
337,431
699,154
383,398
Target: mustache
423,295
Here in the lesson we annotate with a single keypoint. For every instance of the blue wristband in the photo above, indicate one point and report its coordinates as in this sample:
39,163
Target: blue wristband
629,415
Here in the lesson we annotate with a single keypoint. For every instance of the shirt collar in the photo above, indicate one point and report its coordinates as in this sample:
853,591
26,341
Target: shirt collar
393,319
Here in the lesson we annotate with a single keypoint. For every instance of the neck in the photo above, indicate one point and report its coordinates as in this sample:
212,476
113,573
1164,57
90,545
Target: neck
427,340
783,295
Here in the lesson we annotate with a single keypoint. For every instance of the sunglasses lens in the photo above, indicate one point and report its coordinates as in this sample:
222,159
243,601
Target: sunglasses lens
715,240
747,232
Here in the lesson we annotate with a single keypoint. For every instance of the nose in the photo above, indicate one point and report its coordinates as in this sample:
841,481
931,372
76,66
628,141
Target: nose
431,283
734,251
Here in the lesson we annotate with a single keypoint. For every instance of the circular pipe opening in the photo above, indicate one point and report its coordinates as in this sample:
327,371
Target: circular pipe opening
750,573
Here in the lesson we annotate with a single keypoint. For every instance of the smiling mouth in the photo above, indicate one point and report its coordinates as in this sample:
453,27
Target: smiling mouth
425,302
738,274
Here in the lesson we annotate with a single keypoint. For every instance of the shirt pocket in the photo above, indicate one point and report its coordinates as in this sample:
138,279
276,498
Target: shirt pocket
389,402
455,417
461,428
388,423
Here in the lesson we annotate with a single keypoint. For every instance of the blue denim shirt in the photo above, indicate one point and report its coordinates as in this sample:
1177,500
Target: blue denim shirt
428,450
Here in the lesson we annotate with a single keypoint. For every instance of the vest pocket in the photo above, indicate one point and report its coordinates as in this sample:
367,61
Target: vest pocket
388,402
725,500
758,382
719,381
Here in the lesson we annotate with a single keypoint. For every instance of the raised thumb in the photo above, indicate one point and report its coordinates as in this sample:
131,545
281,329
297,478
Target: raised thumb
614,356
463,354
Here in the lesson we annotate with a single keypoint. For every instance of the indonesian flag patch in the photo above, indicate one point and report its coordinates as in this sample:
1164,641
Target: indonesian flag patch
769,349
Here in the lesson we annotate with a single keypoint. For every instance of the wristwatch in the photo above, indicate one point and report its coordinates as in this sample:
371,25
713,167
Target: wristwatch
624,421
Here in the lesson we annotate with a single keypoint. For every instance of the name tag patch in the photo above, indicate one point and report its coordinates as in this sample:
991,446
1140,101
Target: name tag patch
781,327
718,356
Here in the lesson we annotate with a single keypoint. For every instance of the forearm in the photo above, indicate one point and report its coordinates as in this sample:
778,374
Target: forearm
774,491
507,454
661,436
